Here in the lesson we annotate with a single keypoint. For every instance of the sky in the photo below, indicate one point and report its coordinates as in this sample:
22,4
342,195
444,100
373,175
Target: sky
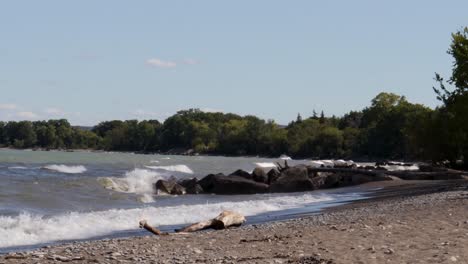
91,61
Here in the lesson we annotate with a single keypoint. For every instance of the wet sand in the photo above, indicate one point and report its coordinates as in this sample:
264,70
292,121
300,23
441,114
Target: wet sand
406,222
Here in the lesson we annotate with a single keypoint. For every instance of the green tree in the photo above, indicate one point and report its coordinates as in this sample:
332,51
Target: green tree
453,114
2,134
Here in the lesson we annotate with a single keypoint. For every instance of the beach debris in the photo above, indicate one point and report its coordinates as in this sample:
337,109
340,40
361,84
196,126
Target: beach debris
15,256
223,220
145,225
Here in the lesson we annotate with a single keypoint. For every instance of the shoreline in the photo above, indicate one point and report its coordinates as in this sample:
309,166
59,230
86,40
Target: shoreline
355,159
402,207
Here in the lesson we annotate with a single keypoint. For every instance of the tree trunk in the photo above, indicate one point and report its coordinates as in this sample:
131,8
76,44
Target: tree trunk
224,220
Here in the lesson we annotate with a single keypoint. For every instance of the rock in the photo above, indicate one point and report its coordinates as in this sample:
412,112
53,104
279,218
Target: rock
191,186
169,187
346,179
59,258
243,174
259,175
178,190
273,175
294,179
389,251
221,184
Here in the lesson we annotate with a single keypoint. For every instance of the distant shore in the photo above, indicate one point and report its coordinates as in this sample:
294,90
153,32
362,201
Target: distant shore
356,159
415,222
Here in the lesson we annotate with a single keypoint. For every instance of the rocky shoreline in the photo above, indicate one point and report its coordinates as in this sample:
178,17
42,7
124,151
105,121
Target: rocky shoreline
300,178
407,222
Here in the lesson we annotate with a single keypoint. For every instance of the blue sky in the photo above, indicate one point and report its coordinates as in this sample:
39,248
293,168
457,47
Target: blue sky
90,61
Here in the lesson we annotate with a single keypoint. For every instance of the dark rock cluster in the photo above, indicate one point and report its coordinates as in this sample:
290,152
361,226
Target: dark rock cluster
278,180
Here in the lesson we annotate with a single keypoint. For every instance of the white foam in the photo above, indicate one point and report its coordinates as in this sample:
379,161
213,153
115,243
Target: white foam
29,229
66,168
316,163
138,181
340,162
265,164
154,161
176,168
17,168
401,168
285,157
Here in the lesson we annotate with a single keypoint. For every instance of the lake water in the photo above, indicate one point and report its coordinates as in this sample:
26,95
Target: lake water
49,196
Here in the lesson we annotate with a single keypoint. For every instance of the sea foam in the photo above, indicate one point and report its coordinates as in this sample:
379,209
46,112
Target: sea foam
31,229
175,168
265,164
137,181
66,168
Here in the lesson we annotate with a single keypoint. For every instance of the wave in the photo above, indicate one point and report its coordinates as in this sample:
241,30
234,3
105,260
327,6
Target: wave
30,229
17,168
137,181
176,168
66,168
265,164
401,167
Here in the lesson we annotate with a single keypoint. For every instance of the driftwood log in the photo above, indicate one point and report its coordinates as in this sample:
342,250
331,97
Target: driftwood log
145,225
223,220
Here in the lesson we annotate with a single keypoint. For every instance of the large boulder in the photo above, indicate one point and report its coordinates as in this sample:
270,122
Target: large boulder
294,179
221,184
191,186
169,187
348,179
259,175
243,174
273,175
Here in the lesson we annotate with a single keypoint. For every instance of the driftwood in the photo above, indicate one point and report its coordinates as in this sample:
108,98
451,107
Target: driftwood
145,225
224,220
282,168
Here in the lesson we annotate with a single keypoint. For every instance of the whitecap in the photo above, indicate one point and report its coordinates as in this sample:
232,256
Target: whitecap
316,163
137,181
17,168
265,164
176,168
66,168
31,229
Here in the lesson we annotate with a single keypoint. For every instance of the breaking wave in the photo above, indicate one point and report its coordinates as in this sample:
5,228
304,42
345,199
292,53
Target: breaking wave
176,168
66,168
137,181
17,168
31,229
265,164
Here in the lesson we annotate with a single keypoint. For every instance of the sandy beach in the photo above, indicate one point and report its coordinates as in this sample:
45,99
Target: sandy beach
406,222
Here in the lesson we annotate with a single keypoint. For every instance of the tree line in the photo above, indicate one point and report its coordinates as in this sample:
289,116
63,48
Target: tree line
391,127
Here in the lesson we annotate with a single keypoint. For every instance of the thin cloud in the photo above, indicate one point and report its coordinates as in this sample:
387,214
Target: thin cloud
26,115
8,106
53,111
211,110
155,62
190,62
143,114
